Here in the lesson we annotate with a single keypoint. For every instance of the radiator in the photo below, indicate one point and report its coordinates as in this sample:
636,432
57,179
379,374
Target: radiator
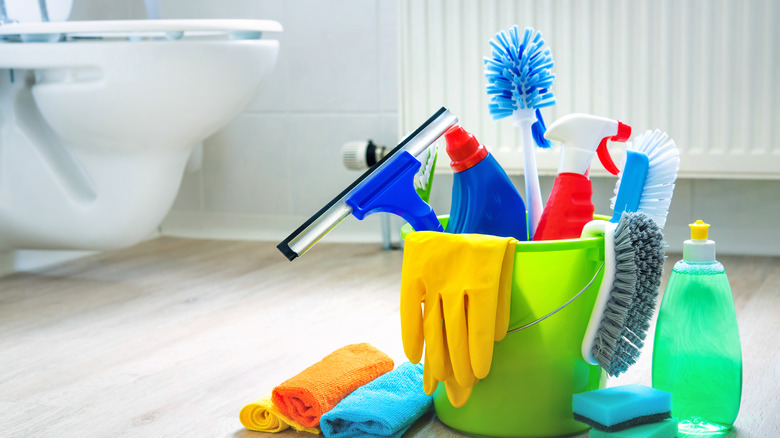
704,71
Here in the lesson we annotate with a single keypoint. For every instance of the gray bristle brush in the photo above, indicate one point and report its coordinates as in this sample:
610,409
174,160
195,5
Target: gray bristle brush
633,265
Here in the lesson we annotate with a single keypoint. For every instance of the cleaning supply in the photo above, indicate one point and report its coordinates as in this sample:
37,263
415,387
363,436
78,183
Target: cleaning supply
318,388
392,190
633,265
519,80
647,180
621,407
569,206
484,200
464,283
645,184
661,429
423,179
384,407
535,371
697,354
263,416
329,216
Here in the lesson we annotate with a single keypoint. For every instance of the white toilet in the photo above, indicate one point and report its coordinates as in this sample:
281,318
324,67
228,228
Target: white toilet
98,118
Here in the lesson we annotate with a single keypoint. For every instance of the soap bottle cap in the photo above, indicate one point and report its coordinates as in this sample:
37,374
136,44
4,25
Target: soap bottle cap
699,248
463,148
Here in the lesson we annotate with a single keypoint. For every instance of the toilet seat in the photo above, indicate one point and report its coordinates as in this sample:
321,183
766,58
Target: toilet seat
137,29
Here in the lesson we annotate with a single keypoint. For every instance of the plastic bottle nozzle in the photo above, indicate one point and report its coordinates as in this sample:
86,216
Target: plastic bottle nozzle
582,136
463,148
699,230
699,248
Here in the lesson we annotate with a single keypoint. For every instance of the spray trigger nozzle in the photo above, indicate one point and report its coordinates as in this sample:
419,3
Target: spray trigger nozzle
623,133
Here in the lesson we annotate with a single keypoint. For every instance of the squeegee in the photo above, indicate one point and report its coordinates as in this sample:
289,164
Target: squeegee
376,189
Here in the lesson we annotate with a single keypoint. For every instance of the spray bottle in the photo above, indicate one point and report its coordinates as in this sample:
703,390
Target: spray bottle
569,206
696,353
484,200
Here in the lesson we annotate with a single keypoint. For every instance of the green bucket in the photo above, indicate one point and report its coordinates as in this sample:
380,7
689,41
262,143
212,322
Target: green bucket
535,371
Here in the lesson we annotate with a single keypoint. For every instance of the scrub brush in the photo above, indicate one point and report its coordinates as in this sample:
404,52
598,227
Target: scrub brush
621,316
633,264
647,180
519,80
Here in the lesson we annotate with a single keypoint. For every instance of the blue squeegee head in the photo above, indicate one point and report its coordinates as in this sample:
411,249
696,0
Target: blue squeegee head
519,76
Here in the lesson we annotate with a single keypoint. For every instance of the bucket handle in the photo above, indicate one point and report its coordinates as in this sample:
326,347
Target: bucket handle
560,308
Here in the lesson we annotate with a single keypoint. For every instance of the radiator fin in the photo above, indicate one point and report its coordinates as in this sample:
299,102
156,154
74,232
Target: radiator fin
705,71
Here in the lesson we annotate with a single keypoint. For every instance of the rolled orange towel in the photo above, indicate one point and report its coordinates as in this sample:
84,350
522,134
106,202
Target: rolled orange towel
317,389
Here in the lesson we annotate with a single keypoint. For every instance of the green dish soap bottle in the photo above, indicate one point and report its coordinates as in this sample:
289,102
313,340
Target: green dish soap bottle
697,354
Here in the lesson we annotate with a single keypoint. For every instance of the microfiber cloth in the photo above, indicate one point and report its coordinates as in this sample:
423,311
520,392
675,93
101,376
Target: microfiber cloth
385,407
317,389
620,407
261,415
663,429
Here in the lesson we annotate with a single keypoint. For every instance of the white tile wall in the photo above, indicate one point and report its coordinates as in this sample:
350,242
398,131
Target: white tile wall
279,161
337,80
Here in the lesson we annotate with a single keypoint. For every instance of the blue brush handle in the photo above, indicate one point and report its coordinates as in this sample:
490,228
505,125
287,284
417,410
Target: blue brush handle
538,129
632,182
391,190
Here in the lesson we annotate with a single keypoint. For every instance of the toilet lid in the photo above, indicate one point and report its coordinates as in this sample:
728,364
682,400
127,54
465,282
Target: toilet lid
128,28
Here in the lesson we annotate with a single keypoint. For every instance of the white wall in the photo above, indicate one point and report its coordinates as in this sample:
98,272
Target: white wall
279,162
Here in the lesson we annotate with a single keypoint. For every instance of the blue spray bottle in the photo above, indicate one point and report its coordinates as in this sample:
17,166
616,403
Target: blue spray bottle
484,200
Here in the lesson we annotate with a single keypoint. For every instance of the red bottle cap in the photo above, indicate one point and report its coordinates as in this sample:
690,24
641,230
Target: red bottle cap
464,150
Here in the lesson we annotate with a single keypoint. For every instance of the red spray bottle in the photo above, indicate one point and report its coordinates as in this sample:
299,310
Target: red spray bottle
569,206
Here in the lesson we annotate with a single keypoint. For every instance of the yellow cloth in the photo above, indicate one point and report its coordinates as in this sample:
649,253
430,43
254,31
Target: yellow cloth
261,415
464,282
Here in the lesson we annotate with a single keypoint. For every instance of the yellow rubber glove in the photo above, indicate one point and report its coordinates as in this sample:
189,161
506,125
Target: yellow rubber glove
464,284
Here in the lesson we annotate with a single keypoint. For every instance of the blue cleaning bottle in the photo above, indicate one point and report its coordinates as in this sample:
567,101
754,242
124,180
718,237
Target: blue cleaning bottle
484,200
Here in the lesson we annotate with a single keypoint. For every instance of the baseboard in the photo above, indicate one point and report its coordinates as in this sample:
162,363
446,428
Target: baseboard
201,225
275,228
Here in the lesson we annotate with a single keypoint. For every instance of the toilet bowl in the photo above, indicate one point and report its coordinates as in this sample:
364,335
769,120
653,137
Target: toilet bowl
98,119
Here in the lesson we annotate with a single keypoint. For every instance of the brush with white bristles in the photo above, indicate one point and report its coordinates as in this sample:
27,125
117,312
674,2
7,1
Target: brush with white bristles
647,180
634,253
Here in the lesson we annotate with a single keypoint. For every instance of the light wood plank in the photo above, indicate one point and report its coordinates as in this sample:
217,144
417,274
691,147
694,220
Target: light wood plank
173,336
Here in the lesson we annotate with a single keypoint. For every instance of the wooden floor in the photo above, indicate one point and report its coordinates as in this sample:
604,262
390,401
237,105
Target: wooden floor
172,337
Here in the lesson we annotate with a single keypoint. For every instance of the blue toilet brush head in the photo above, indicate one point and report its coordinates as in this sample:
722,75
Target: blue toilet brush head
519,77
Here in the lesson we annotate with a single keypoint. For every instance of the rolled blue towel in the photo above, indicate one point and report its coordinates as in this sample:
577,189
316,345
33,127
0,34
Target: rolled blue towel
385,407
